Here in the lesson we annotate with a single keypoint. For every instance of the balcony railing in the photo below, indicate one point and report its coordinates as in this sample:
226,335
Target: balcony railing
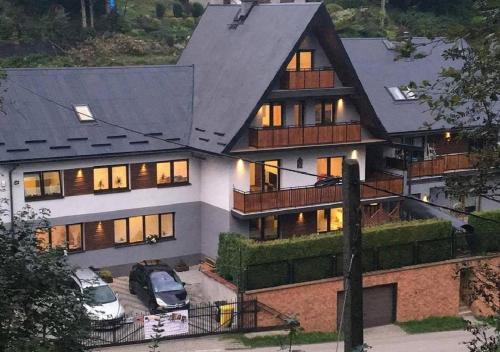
441,164
310,79
250,202
304,135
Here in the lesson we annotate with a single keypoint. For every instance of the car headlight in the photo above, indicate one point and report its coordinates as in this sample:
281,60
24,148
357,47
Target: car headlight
161,302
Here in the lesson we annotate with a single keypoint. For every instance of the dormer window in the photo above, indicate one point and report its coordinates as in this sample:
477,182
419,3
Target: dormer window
401,95
83,113
302,60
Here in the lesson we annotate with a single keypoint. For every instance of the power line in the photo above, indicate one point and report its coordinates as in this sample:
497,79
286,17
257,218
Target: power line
61,105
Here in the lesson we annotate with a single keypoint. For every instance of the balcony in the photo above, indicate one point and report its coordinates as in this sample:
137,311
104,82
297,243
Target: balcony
441,164
310,79
297,197
304,135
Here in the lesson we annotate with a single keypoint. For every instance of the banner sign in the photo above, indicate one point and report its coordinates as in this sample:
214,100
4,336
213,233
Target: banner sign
167,324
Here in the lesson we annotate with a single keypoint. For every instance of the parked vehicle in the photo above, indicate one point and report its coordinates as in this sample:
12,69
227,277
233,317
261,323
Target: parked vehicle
158,286
102,304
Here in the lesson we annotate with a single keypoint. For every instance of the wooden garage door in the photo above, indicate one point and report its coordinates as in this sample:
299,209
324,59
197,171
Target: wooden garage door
379,305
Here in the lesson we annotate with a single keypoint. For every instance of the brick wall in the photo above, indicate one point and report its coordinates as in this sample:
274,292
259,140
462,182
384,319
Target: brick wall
422,291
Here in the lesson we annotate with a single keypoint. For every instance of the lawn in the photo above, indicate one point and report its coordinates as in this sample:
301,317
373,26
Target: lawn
433,324
302,338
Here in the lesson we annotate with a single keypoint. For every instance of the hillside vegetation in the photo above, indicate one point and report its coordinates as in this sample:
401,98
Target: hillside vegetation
39,33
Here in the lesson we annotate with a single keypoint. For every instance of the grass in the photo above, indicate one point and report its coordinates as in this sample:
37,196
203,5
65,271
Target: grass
491,320
433,324
302,338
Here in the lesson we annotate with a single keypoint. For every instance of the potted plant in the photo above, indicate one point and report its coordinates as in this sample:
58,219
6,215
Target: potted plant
152,239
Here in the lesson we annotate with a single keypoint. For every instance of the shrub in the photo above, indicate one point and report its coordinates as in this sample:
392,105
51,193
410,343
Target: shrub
488,231
106,276
197,10
393,244
160,9
177,10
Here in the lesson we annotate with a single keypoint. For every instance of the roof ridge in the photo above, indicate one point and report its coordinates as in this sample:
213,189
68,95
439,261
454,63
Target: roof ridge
82,68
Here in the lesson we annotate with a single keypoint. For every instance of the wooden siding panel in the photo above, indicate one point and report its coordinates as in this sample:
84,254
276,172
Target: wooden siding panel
280,137
143,175
311,135
296,135
99,235
78,181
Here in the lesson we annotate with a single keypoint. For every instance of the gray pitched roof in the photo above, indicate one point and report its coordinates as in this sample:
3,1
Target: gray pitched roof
152,99
377,68
234,67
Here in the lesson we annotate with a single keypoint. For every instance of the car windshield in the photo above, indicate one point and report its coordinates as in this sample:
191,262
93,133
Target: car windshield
99,295
163,282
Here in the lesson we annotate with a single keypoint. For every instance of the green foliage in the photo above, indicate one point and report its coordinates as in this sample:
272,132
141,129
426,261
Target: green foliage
488,231
300,338
106,275
197,10
38,310
433,324
177,10
160,9
268,259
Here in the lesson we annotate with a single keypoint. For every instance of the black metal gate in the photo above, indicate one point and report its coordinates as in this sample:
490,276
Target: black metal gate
203,319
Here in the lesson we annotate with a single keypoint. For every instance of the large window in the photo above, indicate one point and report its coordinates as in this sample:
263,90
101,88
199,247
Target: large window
110,178
270,115
135,229
266,228
324,112
301,61
298,113
66,236
329,219
173,172
331,167
265,176
42,185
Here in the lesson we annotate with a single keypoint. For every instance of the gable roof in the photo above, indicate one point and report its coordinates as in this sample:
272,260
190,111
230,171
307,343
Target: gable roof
233,68
152,99
379,69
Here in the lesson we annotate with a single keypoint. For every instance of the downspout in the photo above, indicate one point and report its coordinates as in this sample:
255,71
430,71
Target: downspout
11,196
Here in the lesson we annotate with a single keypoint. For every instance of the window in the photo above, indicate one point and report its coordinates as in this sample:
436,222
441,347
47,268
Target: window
266,228
110,178
331,167
83,113
298,114
301,61
135,229
401,95
264,176
324,113
329,219
172,172
270,115
66,236
42,185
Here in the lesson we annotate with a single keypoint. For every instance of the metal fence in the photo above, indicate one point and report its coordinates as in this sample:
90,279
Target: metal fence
380,258
203,319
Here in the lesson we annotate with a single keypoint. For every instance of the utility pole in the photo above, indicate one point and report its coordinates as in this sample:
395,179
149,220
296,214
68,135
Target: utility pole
353,285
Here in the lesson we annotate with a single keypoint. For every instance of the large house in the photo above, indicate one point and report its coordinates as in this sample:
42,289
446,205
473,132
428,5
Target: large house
121,153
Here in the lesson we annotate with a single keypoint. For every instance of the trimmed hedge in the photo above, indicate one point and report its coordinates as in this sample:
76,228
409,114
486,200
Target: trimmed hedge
488,231
395,239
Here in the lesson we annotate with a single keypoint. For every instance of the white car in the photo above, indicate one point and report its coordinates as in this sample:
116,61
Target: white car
102,304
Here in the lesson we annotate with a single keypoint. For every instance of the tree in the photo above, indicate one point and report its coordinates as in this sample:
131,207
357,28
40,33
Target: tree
197,10
177,9
39,311
467,99
83,6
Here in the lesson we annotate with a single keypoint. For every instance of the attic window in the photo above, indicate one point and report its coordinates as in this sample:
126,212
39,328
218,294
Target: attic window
83,113
401,95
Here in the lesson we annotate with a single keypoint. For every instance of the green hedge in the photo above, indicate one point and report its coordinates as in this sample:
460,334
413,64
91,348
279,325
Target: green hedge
488,231
393,240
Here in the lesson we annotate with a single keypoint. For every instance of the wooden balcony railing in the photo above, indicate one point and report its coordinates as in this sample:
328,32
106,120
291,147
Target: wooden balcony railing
250,202
310,79
304,135
441,164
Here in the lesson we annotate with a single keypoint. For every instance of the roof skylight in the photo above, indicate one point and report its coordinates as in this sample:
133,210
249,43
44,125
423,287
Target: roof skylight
83,113
401,95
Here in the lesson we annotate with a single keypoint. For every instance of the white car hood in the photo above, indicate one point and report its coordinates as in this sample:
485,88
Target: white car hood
108,311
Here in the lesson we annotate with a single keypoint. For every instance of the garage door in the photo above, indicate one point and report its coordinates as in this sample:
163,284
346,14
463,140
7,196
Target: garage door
379,305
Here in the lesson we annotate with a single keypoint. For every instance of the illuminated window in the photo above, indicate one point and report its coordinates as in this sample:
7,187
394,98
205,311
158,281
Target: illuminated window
120,230
167,225
301,61
265,176
331,167
83,113
266,228
172,172
329,219
136,228
152,224
42,185
110,178
65,236
298,114
270,115
324,113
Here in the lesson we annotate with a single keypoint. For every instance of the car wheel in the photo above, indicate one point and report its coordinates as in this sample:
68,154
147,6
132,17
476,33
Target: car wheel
131,287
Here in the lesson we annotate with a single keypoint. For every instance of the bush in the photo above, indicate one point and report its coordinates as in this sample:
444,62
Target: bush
177,10
160,9
106,276
393,242
487,231
197,10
